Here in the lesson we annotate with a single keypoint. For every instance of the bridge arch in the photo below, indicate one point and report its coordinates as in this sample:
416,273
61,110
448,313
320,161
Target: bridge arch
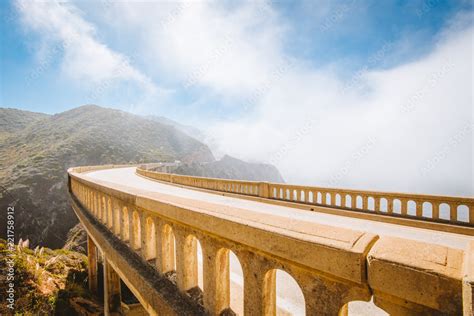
411,207
353,308
282,294
383,205
444,211
427,209
359,202
462,213
371,204
348,201
397,206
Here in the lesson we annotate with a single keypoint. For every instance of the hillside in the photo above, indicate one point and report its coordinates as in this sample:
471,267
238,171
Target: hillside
186,129
232,168
37,149
35,157
13,120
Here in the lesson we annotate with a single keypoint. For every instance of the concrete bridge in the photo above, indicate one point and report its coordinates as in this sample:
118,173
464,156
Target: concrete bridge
199,246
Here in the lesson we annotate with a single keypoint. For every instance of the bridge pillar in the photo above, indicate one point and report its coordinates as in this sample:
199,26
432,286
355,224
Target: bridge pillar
259,290
186,261
158,244
216,278
468,282
112,294
130,228
92,267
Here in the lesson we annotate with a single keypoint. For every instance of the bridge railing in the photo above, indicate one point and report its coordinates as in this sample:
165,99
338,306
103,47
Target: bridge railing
447,209
332,266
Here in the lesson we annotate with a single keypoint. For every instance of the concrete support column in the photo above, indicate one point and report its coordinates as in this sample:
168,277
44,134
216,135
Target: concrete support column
130,228
122,222
216,278
112,295
259,286
142,237
328,297
468,282
103,210
92,267
94,204
186,261
168,249
118,212
468,297
158,244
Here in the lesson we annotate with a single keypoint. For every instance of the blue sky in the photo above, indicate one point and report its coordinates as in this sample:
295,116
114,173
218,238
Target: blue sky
362,94
342,34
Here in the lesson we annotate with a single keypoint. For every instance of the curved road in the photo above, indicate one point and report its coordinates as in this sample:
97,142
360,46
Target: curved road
289,297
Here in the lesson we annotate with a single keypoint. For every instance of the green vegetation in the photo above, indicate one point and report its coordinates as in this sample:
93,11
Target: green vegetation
46,281
37,149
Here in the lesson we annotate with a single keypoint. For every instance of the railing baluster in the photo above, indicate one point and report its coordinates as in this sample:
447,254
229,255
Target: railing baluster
389,205
453,208
365,202
435,210
301,194
377,204
419,208
343,199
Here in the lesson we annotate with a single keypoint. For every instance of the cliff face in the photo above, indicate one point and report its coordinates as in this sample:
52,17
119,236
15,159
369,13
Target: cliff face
232,168
36,150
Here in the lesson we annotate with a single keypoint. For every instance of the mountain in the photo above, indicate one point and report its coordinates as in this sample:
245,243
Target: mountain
13,120
36,150
39,149
232,168
187,129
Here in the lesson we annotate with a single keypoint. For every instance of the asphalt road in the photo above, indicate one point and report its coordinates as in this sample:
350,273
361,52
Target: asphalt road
289,295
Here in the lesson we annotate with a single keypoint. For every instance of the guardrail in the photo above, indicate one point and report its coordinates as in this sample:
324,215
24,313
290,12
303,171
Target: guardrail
445,209
332,266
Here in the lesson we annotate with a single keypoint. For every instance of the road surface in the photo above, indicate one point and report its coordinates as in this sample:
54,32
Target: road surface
289,295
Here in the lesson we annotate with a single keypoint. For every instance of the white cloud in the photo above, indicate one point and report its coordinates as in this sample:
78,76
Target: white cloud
408,128
204,44
85,58
381,133
396,134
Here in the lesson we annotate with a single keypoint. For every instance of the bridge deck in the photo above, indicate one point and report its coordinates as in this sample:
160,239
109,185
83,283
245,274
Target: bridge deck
280,216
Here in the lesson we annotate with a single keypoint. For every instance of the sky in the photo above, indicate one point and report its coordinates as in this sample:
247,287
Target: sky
359,94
